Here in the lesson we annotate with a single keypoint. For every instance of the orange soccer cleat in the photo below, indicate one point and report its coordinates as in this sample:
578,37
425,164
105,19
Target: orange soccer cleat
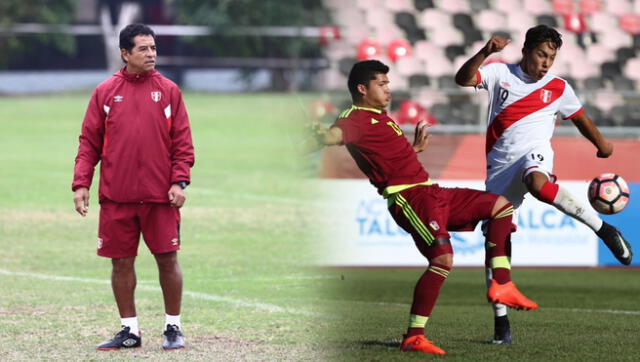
420,344
510,296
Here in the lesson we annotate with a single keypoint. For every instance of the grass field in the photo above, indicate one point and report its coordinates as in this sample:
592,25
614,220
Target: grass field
584,315
251,292
248,287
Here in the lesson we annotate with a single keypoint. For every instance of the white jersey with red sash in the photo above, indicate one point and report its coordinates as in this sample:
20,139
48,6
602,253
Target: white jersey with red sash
521,120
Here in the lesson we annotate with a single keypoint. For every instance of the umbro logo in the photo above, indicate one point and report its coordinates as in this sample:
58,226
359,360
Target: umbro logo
129,342
374,121
434,225
99,243
175,241
118,98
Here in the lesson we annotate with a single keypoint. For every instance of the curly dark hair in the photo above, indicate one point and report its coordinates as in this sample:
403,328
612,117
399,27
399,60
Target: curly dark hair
131,31
542,34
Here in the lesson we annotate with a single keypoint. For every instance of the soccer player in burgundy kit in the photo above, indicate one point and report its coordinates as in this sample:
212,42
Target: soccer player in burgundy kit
422,208
137,127
524,99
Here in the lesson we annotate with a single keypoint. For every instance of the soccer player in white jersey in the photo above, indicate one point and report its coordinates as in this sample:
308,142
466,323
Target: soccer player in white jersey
524,99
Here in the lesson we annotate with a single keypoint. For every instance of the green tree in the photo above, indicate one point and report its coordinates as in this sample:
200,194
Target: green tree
16,46
227,16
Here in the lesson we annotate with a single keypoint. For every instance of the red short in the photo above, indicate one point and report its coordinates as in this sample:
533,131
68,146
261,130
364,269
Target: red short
427,212
122,223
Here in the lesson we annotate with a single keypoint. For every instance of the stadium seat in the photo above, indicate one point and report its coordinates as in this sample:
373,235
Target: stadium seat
438,65
447,82
454,51
379,18
423,4
601,21
633,115
399,96
606,100
478,5
455,6
610,69
419,81
442,113
598,53
424,49
398,48
630,23
406,21
632,69
463,22
618,114
368,49
345,65
563,7
511,7
624,54
590,7
537,7
407,66
618,7
594,83
520,21
444,37
636,41
491,21
434,18
548,20
574,23
592,112
399,5
622,83
615,38
410,112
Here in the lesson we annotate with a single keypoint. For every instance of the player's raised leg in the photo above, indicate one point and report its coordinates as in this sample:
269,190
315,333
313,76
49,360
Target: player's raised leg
551,193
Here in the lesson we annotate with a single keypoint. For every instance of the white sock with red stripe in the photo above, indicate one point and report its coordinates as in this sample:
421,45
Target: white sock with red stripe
559,197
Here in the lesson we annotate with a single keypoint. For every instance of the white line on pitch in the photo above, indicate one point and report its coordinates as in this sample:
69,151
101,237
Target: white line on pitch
196,295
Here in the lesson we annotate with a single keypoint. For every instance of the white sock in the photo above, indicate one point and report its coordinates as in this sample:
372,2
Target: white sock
172,319
570,206
499,310
132,323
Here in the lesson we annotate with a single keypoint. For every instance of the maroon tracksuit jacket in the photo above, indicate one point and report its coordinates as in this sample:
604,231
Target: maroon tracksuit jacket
138,127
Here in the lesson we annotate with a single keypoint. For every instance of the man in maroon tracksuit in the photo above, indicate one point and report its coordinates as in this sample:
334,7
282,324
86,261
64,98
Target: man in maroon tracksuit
136,125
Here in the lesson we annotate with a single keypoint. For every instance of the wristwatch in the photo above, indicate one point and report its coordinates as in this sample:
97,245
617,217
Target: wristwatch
182,184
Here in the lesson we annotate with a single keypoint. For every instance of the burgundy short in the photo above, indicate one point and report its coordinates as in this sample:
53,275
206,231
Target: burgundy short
122,223
427,212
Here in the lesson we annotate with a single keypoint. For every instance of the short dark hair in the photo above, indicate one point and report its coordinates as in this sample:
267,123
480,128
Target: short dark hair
542,34
131,31
362,73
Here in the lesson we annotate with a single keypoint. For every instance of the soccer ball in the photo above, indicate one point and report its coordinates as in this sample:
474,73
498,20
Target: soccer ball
608,193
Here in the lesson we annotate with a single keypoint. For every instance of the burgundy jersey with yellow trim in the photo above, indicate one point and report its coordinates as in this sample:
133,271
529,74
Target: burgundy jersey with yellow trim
379,148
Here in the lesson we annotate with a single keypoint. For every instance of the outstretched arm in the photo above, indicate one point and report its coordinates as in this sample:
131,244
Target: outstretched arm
324,136
466,75
589,130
